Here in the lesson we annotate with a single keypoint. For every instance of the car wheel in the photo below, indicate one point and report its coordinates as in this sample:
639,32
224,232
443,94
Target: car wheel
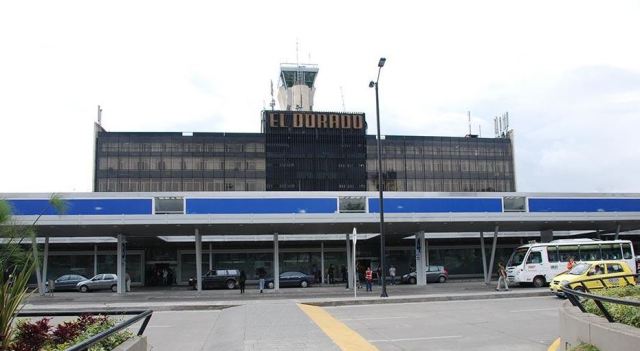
231,284
114,288
579,288
412,280
304,284
442,279
84,289
270,285
538,281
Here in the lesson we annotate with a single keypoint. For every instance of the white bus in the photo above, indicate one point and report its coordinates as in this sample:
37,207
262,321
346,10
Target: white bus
538,263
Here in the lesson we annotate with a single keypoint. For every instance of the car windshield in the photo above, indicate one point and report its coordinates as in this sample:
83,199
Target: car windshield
580,268
517,257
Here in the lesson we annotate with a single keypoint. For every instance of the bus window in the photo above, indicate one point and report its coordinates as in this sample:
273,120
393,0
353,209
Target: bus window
590,252
534,257
552,253
626,251
611,252
568,251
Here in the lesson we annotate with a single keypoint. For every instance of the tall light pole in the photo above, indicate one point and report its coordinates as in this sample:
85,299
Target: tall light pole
373,84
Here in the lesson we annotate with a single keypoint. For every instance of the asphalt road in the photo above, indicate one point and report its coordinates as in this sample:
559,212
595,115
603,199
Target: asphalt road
524,323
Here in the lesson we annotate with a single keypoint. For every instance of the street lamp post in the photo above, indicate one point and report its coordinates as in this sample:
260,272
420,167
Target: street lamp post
373,84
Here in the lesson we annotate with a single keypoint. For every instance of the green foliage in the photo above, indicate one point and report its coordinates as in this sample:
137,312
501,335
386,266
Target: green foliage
585,347
621,313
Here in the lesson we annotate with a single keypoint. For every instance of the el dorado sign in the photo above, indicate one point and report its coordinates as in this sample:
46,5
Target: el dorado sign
314,120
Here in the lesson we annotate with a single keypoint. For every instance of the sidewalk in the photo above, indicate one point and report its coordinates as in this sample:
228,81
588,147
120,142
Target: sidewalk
181,298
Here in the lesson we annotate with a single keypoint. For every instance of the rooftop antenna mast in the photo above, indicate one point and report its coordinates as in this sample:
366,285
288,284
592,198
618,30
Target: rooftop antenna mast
344,109
300,77
99,115
273,101
469,118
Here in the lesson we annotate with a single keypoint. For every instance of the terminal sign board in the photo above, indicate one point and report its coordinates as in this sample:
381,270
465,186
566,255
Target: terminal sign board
314,120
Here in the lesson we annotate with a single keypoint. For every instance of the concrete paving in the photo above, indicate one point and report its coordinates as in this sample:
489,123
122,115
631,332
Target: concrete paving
224,319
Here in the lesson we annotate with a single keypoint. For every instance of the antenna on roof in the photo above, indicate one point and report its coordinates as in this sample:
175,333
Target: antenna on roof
344,109
99,115
480,131
273,101
469,118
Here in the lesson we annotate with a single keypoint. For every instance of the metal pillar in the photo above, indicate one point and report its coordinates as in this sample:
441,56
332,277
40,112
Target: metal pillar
34,246
493,255
276,263
120,273
95,260
353,279
617,232
322,262
349,263
421,261
210,257
484,257
45,260
198,239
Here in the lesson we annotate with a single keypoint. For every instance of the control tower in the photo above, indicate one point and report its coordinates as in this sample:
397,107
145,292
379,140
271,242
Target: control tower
297,86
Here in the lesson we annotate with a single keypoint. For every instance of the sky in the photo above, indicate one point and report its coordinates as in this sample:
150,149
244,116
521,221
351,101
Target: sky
567,72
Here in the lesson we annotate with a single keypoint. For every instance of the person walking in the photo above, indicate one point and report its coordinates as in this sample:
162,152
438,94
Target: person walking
368,277
242,279
261,274
502,276
127,281
345,276
331,272
392,274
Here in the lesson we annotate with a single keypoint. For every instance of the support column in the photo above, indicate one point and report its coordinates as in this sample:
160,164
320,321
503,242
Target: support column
198,239
34,246
322,262
210,257
484,257
276,263
421,261
95,260
349,263
119,272
617,232
493,255
45,261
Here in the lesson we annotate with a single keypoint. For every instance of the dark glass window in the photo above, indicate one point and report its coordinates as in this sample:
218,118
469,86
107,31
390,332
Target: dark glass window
167,205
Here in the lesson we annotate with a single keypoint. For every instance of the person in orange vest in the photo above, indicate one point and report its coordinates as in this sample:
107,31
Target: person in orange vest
368,277
570,264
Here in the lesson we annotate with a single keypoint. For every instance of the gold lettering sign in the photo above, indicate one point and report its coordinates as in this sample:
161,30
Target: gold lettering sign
310,120
333,121
315,120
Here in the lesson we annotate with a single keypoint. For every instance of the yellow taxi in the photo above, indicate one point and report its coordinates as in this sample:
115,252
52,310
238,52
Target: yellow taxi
610,272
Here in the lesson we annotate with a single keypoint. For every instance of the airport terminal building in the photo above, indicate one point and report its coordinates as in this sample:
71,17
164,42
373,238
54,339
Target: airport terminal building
287,198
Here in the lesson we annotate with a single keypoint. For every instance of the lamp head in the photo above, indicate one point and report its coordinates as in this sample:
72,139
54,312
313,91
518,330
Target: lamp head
372,84
381,62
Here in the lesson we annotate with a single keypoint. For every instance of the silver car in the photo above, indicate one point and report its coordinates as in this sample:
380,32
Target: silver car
99,282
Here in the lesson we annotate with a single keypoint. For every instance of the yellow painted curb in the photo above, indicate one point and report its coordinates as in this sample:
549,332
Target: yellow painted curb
343,336
554,346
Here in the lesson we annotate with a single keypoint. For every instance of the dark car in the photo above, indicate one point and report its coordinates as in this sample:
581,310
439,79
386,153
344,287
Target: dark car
435,274
289,279
218,278
67,282
99,282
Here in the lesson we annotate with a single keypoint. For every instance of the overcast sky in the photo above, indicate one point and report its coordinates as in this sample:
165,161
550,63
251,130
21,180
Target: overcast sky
568,73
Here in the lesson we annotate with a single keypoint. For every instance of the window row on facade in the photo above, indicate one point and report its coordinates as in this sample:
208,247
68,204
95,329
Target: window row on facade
179,184
179,147
181,163
503,167
444,185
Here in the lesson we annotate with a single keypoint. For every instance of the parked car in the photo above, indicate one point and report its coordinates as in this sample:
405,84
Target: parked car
218,278
290,279
609,271
66,282
435,274
99,282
